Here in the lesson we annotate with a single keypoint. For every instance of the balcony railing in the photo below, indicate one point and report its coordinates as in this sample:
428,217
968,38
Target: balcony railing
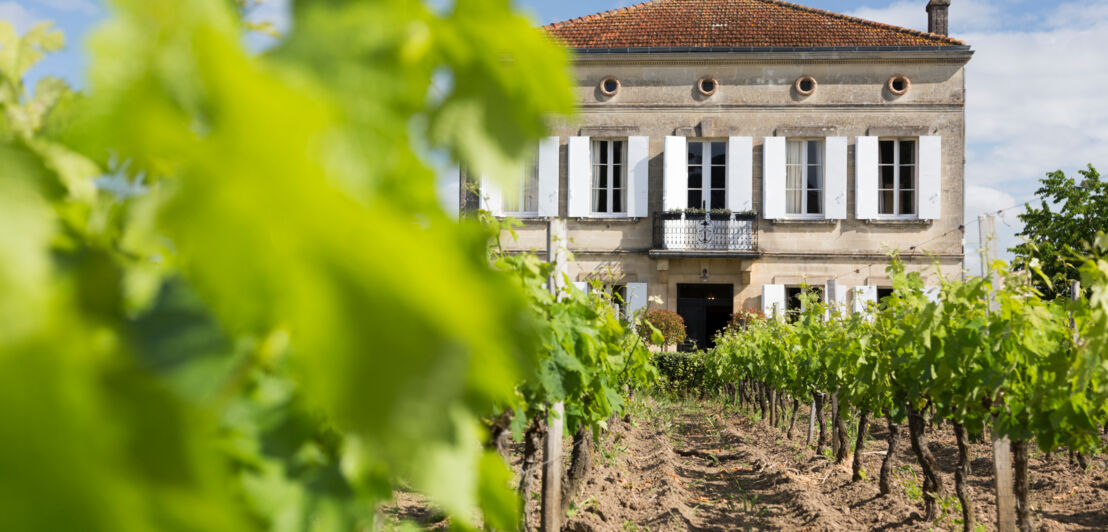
714,232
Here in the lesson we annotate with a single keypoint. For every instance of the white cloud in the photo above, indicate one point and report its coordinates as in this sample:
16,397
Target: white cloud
965,15
87,7
18,16
1034,103
904,13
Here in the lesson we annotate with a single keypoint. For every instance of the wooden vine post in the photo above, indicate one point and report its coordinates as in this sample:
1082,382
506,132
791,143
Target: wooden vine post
552,471
552,449
1002,446
811,422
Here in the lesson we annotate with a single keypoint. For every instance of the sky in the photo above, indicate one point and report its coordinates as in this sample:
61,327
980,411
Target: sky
1034,88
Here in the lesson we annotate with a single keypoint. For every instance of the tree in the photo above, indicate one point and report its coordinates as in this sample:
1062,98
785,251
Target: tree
1059,231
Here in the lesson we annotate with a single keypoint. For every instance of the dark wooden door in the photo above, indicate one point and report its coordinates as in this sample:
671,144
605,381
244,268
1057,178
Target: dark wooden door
706,308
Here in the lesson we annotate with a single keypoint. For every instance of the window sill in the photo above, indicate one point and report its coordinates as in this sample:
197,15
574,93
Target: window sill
899,221
607,219
800,221
525,218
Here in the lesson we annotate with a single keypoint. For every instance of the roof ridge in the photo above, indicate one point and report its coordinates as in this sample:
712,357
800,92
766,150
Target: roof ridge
866,21
602,14
678,23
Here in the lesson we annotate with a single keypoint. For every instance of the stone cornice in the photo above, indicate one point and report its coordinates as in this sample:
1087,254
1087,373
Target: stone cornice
760,56
802,107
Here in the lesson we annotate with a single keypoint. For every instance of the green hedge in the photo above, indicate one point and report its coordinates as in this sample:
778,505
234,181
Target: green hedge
687,373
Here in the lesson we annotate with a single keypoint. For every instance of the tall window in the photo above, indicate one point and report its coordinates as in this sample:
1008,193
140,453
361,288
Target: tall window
804,177
896,190
525,199
707,175
793,305
618,293
608,176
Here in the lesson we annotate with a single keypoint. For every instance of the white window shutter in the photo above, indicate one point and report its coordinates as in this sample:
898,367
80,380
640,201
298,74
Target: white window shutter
492,199
773,178
583,286
863,296
580,177
675,181
638,176
740,174
548,177
836,300
932,293
636,297
773,300
834,195
930,177
865,178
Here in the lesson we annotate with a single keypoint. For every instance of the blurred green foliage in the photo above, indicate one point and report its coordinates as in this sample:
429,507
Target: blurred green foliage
228,296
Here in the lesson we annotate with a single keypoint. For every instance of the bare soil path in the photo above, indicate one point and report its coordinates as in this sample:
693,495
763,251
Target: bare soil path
703,466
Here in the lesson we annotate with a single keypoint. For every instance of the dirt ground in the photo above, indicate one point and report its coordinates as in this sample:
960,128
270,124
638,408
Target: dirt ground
702,466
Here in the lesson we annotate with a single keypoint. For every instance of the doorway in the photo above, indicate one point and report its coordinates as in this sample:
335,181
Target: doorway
706,309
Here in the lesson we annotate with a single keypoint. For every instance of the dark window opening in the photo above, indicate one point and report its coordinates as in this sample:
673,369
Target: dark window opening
707,181
882,293
618,296
793,306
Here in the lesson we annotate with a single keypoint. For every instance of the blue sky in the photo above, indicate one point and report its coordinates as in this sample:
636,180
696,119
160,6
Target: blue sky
1034,86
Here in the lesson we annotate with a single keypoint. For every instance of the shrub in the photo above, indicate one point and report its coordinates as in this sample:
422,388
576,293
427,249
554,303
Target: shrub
740,319
668,322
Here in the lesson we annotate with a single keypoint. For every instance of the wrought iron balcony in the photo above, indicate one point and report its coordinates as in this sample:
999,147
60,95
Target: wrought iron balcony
705,234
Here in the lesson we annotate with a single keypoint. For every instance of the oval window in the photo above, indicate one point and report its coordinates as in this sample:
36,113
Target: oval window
805,85
609,86
707,85
899,84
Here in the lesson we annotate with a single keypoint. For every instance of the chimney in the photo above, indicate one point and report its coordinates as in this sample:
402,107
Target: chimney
938,20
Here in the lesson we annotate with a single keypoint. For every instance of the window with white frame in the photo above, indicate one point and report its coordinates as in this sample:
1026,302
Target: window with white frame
707,175
608,176
804,177
523,198
896,184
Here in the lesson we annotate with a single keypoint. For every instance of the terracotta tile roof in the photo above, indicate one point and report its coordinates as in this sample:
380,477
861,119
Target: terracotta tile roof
734,24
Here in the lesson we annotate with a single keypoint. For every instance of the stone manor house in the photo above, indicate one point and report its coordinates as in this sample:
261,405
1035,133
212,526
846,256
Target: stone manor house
728,152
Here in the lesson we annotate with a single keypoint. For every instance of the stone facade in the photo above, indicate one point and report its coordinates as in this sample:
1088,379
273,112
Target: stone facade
757,98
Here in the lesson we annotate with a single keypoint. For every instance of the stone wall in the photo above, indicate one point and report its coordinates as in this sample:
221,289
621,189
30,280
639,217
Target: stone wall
756,97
